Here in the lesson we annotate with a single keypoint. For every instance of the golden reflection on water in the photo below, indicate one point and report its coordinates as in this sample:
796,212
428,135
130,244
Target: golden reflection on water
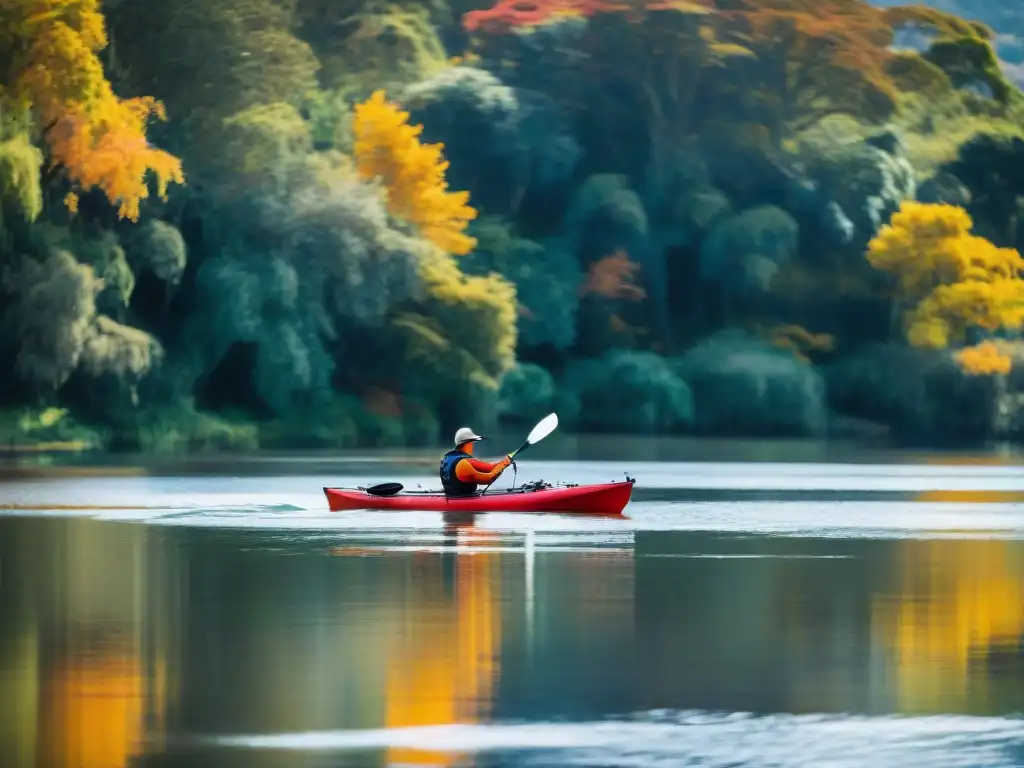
955,605
95,706
972,497
444,662
84,691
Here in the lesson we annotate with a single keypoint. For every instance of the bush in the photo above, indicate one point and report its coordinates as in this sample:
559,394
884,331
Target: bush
742,386
183,429
921,394
625,391
346,422
53,426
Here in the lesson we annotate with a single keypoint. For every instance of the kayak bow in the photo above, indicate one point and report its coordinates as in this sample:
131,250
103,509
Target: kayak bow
602,499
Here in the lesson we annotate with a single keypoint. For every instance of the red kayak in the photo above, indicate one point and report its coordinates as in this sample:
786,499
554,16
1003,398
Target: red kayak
603,499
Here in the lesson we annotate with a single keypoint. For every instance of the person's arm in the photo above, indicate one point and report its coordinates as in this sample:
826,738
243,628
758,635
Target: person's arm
477,471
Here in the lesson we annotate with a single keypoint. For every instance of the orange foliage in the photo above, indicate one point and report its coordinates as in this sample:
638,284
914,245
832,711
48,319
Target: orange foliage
814,58
109,151
98,138
801,342
612,277
984,359
387,148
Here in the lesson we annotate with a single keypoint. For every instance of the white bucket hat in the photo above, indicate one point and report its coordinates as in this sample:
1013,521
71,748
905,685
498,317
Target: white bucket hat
466,435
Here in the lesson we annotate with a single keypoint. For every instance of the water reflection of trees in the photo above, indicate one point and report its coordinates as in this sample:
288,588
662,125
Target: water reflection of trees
443,659
953,624
82,653
115,635
875,626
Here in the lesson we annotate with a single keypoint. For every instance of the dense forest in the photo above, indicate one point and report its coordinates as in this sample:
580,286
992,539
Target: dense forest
232,224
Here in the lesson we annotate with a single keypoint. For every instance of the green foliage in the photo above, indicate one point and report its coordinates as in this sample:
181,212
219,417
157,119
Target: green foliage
866,177
262,302
991,166
742,386
744,252
364,45
624,391
527,393
971,63
505,146
546,278
214,60
50,308
606,214
922,394
914,74
158,247
262,143
20,164
345,421
48,427
180,428
104,254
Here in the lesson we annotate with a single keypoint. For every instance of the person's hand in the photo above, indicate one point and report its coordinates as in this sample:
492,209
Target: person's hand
507,461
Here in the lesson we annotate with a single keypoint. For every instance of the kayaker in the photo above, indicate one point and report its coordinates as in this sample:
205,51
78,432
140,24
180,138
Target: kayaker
461,472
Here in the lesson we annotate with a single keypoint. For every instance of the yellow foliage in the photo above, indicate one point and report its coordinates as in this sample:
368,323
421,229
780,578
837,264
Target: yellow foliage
98,138
386,147
466,326
950,280
984,359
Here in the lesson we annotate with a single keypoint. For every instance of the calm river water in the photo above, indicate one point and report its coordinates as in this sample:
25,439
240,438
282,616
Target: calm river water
865,610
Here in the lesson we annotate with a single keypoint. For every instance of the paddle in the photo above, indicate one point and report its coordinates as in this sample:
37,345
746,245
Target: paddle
384,489
544,427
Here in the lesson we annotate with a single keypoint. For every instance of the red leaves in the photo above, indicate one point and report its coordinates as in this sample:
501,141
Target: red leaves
525,13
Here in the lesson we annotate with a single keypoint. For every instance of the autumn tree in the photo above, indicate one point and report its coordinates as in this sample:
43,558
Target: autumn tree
949,282
809,59
51,77
462,332
388,149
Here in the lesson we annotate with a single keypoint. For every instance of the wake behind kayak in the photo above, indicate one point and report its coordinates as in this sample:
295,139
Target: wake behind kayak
598,499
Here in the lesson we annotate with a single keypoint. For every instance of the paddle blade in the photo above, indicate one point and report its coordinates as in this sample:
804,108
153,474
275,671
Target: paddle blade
545,427
384,489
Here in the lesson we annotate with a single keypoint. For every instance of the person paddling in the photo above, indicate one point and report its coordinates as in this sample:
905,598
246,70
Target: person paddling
461,472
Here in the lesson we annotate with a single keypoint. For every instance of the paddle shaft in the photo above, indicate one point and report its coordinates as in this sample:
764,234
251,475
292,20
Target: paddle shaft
512,455
520,449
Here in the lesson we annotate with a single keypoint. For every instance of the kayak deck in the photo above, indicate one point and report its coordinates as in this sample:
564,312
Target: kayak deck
600,499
